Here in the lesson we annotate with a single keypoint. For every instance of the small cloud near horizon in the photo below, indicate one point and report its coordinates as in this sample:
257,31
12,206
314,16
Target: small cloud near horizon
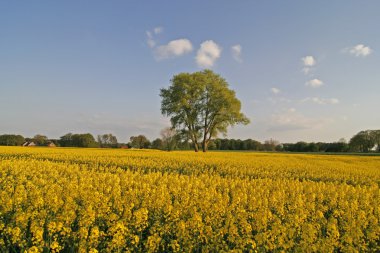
321,101
359,50
275,90
314,83
308,62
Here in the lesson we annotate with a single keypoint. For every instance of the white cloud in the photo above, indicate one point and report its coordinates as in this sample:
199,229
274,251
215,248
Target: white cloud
315,83
321,101
359,50
173,49
208,53
236,52
308,62
275,90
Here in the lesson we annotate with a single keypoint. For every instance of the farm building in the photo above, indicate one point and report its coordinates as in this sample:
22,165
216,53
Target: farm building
29,144
51,144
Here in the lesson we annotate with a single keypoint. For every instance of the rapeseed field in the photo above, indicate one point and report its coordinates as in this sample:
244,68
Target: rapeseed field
103,200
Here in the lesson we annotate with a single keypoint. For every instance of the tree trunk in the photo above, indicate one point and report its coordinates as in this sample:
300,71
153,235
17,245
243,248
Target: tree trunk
196,147
204,146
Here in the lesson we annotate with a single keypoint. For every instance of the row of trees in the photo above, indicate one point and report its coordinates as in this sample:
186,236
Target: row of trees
11,140
170,139
364,141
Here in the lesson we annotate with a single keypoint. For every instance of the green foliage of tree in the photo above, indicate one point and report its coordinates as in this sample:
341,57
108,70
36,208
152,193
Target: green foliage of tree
139,141
107,141
11,140
202,106
78,140
157,144
40,140
363,141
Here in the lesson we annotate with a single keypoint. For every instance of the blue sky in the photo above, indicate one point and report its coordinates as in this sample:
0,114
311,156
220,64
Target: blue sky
303,70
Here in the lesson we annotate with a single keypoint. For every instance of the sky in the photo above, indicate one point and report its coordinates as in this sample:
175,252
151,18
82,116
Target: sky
303,70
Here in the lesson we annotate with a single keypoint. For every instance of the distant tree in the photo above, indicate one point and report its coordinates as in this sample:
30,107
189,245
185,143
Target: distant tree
84,140
212,145
312,147
362,141
11,140
107,141
202,105
40,140
224,144
301,146
217,143
169,138
78,140
66,140
342,140
254,145
270,145
337,147
157,144
375,135
139,141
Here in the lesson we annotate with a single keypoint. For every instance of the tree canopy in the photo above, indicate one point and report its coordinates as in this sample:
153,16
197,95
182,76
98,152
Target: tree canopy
139,141
107,141
11,140
78,140
202,106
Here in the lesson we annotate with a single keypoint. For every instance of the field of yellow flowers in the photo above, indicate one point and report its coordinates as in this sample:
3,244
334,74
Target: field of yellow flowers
99,200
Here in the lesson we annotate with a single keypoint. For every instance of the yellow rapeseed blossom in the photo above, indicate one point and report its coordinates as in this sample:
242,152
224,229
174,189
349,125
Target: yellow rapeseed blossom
103,200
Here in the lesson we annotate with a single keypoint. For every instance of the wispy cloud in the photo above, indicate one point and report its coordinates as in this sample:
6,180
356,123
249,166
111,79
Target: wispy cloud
150,36
308,62
314,83
291,120
321,101
275,90
236,52
208,53
174,48
158,30
150,41
359,50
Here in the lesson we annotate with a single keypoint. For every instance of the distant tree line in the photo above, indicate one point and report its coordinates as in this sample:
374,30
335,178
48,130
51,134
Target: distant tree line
364,141
11,140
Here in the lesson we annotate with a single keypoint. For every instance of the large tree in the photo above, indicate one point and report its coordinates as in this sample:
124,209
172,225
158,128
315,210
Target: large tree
202,106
